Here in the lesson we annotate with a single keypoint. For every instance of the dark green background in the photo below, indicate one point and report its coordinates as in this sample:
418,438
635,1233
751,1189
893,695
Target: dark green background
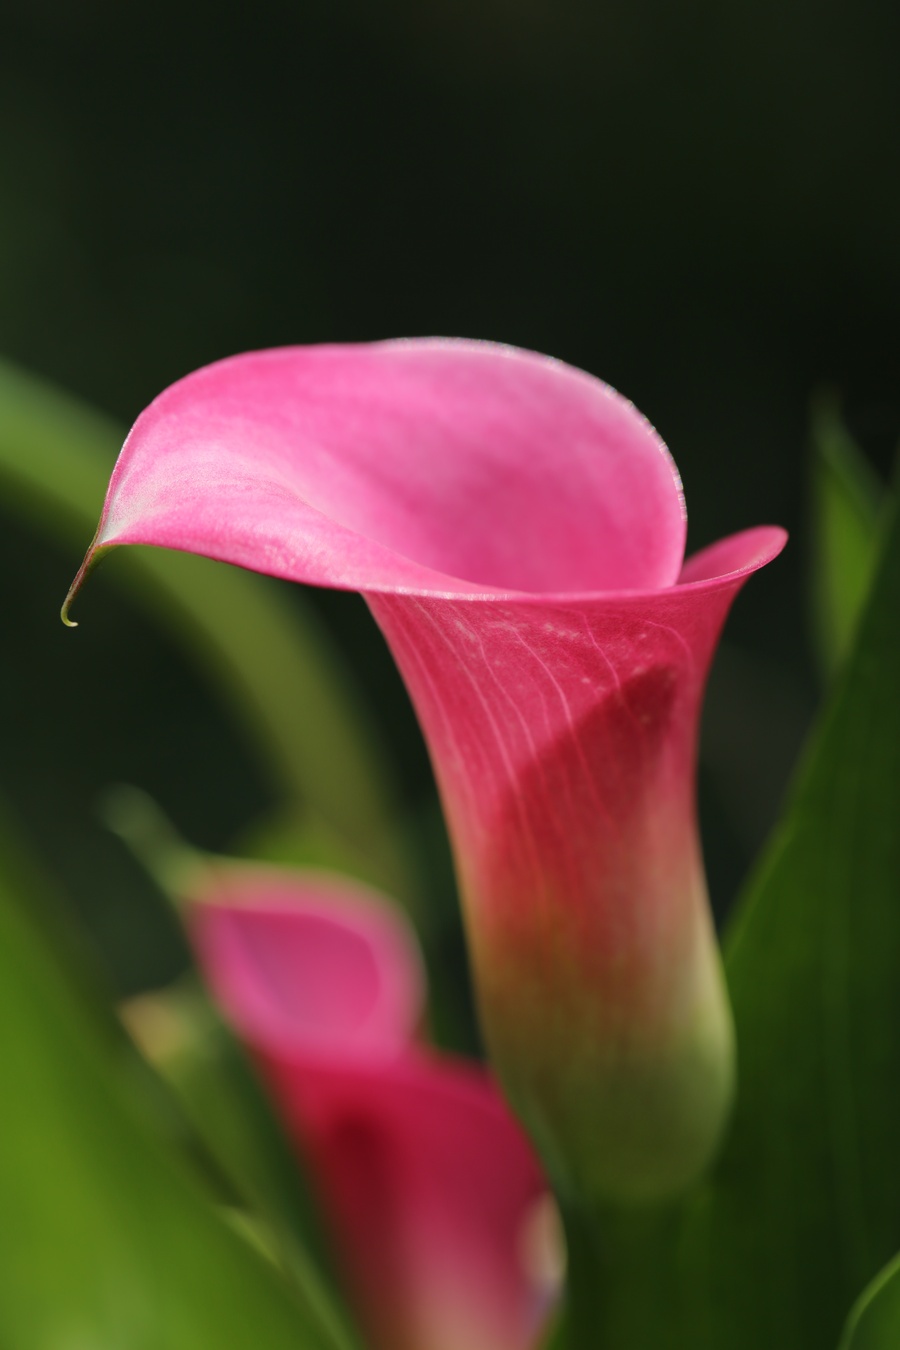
698,202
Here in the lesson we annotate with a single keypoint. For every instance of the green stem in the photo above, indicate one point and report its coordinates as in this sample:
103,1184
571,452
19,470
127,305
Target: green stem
620,1267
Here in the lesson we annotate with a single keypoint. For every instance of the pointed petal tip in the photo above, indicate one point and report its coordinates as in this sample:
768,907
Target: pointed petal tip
73,591
91,558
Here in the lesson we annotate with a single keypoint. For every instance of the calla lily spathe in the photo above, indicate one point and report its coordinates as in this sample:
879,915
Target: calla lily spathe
518,530
427,1183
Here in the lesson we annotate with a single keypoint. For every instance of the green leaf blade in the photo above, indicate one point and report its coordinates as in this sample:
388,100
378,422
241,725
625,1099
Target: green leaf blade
874,1321
106,1241
805,1205
847,505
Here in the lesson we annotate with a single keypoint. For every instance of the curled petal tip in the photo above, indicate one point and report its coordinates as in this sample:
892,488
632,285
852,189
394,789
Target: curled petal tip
91,558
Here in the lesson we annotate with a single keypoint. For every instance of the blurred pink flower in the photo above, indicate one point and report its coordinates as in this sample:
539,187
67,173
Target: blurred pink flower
427,1182
518,530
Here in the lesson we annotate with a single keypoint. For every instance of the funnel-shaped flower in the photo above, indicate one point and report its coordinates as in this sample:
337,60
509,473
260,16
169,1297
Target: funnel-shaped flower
427,1180
518,530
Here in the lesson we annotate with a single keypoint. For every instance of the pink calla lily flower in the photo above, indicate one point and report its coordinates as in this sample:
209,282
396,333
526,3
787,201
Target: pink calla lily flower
518,530
428,1182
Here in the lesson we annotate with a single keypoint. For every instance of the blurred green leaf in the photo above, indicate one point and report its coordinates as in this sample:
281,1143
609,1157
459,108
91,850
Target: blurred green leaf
803,1207
807,1197
874,1323
847,502
106,1242
271,659
181,1034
